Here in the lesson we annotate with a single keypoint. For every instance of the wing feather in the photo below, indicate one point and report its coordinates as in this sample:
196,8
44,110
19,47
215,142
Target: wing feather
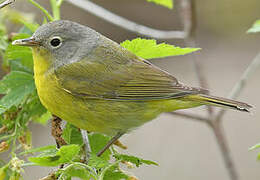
108,74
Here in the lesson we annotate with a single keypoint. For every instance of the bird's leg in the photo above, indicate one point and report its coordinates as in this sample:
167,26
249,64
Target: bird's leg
119,144
84,134
114,139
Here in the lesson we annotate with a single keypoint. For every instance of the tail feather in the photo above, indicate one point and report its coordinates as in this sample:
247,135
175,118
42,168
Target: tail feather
223,102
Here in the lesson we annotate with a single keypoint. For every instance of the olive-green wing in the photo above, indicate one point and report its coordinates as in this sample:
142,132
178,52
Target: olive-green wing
119,76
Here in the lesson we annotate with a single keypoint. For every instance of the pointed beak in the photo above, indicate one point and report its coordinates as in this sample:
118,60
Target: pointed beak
26,42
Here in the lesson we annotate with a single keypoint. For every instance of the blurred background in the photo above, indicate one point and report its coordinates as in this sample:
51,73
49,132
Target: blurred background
186,149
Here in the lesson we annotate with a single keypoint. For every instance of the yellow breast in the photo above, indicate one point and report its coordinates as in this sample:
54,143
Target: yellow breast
54,97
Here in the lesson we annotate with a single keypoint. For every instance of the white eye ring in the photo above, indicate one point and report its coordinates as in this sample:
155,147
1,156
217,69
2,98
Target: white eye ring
56,42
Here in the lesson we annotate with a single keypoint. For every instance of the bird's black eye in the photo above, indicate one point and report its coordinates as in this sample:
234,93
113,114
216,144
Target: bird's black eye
55,42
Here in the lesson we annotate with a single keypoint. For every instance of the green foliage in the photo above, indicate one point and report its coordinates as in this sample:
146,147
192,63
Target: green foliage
78,170
51,148
254,147
97,142
64,155
72,135
17,85
115,173
135,160
149,49
23,54
165,3
257,146
255,28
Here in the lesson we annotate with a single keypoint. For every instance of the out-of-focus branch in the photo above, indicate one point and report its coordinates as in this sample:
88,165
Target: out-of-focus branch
6,3
36,4
125,23
189,22
223,145
240,85
191,116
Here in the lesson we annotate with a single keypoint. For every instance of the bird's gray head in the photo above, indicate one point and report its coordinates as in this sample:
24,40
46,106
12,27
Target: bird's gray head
66,41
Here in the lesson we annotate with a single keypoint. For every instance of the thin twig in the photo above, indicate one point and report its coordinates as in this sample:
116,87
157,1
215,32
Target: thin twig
84,134
223,145
240,85
47,14
189,24
110,143
191,116
59,2
125,23
6,3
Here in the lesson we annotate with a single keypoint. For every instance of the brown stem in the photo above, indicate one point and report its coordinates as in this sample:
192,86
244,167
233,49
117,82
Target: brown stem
56,131
112,141
191,116
223,145
241,84
189,24
122,22
6,3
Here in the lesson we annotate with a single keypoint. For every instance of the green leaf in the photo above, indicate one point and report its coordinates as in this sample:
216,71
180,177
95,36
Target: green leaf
97,162
135,160
24,54
40,149
68,152
64,155
258,156
16,85
16,65
115,173
31,26
44,118
3,42
255,28
97,142
21,18
166,3
149,49
254,147
79,170
72,135
34,106
36,111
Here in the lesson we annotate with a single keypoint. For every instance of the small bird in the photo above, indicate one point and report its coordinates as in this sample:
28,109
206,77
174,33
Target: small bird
92,82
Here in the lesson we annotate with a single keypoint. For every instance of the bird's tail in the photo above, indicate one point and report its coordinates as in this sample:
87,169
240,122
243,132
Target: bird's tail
221,102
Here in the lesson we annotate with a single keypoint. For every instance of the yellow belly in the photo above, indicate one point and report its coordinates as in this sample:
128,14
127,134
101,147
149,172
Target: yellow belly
107,117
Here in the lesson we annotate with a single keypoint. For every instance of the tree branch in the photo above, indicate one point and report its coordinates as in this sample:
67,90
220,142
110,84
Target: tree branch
223,145
125,23
6,3
189,21
240,85
191,116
